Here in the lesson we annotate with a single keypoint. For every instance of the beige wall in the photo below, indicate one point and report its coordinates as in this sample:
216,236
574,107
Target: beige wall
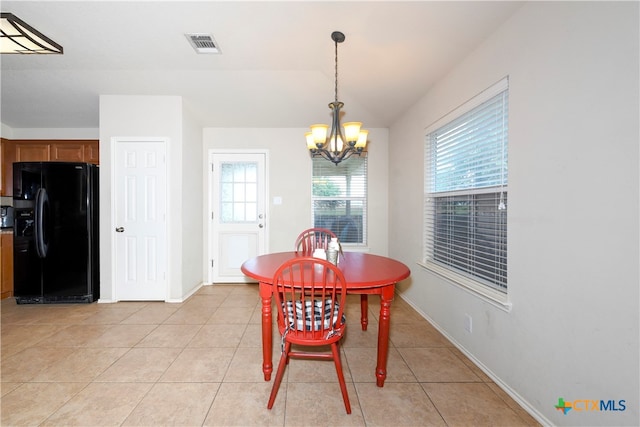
163,117
192,204
573,330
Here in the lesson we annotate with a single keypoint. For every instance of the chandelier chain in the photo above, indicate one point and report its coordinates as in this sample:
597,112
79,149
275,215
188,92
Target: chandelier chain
336,74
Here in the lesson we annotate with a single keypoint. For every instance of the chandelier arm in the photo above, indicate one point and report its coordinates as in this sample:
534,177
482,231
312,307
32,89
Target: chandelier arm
336,130
327,155
336,158
347,153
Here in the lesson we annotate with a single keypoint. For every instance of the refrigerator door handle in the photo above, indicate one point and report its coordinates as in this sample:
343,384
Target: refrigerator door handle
42,204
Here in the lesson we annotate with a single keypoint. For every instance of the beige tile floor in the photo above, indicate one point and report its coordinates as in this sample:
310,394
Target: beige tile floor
198,363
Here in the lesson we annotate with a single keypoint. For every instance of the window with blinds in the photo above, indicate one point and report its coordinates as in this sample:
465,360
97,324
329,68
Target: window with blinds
466,191
339,198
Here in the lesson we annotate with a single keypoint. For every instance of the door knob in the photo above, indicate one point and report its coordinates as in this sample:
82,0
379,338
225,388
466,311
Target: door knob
120,229
261,225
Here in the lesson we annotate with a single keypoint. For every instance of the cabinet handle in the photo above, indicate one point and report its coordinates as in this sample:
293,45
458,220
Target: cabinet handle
120,230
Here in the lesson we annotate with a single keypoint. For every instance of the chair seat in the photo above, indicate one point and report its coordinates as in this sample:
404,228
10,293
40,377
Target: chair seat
317,313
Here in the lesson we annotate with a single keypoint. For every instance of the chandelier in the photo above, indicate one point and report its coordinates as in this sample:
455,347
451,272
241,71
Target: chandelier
337,145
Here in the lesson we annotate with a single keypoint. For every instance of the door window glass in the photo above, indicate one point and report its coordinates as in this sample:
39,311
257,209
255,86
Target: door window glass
239,192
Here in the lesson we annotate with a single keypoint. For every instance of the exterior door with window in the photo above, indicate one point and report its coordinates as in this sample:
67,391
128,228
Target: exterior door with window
237,204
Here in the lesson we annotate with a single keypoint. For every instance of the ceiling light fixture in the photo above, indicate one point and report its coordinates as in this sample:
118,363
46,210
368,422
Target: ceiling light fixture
16,36
338,145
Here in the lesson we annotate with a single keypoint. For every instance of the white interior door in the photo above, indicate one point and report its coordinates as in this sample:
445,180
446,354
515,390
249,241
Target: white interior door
238,218
140,220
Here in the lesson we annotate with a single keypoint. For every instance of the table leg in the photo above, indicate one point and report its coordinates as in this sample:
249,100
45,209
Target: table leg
364,311
267,339
386,297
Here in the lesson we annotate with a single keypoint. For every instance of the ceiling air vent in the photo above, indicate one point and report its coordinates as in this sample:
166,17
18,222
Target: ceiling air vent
203,43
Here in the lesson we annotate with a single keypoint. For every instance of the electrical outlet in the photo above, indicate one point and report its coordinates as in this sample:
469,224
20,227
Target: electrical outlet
468,323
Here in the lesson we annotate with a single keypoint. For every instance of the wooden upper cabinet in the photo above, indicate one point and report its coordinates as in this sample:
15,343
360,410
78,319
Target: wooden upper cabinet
92,152
8,157
56,151
67,152
3,166
43,150
75,151
32,152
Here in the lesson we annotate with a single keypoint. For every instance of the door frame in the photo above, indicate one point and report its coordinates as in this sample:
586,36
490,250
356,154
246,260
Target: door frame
114,149
209,208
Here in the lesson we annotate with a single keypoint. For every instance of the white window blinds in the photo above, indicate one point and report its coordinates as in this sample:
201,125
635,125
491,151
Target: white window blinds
339,198
466,190
470,152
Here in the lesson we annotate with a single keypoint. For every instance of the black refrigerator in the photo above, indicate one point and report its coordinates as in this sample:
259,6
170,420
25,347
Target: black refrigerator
55,233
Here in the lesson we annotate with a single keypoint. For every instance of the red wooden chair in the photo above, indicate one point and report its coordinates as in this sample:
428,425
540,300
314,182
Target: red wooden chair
310,296
313,238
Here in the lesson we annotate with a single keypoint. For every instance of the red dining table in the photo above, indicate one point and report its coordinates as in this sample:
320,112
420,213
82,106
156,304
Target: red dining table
365,274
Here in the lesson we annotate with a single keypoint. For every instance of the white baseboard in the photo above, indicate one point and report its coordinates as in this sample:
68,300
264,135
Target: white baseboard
187,296
170,300
511,392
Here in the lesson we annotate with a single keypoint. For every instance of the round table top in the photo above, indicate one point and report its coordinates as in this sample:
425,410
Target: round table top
361,270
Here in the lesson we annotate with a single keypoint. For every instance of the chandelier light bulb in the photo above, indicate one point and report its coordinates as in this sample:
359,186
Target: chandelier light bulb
319,133
311,144
352,131
336,148
362,139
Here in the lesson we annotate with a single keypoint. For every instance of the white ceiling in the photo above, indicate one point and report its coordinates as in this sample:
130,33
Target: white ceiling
277,63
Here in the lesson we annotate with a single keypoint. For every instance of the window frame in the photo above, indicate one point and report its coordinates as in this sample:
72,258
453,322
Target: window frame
464,279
